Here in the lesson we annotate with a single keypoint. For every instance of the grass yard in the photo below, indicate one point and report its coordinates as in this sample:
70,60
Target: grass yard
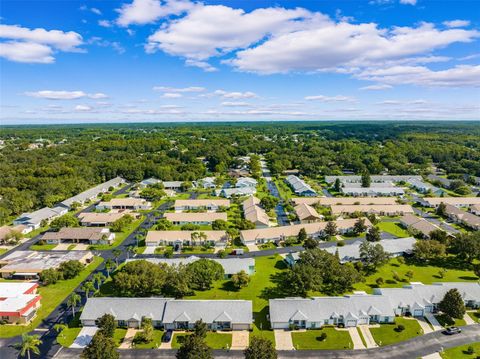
393,228
421,273
475,316
386,333
42,247
266,246
3,250
213,340
67,336
260,289
283,189
52,296
461,352
443,321
310,339
155,343
196,250
119,236
119,335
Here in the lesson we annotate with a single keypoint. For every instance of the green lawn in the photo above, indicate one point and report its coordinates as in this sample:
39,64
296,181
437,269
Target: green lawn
196,250
266,246
42,247
67,336
475,316
310,339
386,333
119,335
3,250
421,273
52,296
461,352
119,236
213,340
443,321
393,228
259,290
155,343
283,189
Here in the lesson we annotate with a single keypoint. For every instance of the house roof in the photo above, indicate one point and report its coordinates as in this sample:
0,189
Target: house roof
230,265
77,233
94,217
290,231
374,178
305,211
253,212
240,311
466,217
243,191
202,202
418,224
373,190
195,217
156,236
299,186
475,207
126,202
246,182
93,192
320,308
14,289
455,201
36,262
38,216
329,201
375,208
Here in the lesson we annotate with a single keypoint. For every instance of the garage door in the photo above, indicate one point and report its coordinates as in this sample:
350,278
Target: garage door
418,313
363,321
351,323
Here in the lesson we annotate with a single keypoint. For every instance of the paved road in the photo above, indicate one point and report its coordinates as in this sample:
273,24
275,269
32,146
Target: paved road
413,348
282,218
326,193
427,216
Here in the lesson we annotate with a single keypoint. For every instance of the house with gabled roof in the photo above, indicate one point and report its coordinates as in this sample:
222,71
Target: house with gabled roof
254,213
307,214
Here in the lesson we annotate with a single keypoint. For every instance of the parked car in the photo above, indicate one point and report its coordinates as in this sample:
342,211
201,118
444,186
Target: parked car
167,336
452,330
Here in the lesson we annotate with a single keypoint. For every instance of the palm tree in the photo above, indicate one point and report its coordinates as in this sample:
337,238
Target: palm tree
116,253
130,250
72,301
98,278
29,344
87,287
59,328
108,266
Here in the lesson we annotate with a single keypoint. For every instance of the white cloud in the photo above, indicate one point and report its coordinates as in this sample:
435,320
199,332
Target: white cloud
235,95
458,76
65,95
104,23
376,87
408,2
96,11
179,89
338,98
456,23
205,66
172,95
235,104
116,46
36,45
142,12
83,108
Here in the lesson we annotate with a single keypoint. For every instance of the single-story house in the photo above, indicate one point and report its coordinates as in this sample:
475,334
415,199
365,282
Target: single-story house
475,209
418,298
246,182
331,201
418,225
93,219
29,264
299,186
424,187
148,182
92,193
200,218
200,204
184,238
254,213
236,192
381,210
91,235
373,178
307,214
230,265
18,302
175,185
170,313
8,230
275,234
314,313
34,219
238,172
208,183
445,182
374,191
460,216
454,201
133,204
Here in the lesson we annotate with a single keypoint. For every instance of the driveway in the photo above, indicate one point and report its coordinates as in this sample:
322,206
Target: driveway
468,319
81,247
252,248
61,247
433,321
432,356
424,325
356,339
149,250
128,340
240,339
283,339
84,337
367,335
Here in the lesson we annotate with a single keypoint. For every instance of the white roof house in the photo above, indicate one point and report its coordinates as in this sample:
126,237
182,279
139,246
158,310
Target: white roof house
374,191
195,217
331,201
236,192
424,187
208,182
454,201
382,210
35,219
207,204
149,181
246,182
350,310
373,178
299,186
157,238
93,192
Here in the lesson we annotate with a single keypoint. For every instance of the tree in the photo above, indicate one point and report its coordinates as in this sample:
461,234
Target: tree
373,255
240,279
146,335
107,325
310,243
67,220
177,282
130,251
269,202
153,194
337,185
116,253
163,224
219,225
359,227
73,300
50,276
425,250
366,179
302,235
204,272
441,209
109,264
373,234
140,279
439,236
452,304
260,348
100,347
200,329
30,343
87,287
70,269
331,229
59,328
301,278
476,270
466,246
120,224
194,346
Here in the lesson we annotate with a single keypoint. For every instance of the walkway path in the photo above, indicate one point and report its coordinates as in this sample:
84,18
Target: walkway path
424,325
283,339
356,339
128,340
240,339
434,322
468,319
432,356
84,337
367,335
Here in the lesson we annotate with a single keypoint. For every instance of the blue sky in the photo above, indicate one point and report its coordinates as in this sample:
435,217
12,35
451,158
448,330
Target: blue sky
152,60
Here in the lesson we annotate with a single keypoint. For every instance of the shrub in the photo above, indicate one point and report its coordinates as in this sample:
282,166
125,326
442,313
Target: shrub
322,337
379,281
470,350
400,328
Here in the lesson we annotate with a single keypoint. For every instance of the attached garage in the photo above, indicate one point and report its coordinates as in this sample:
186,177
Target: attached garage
417,313
351,323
